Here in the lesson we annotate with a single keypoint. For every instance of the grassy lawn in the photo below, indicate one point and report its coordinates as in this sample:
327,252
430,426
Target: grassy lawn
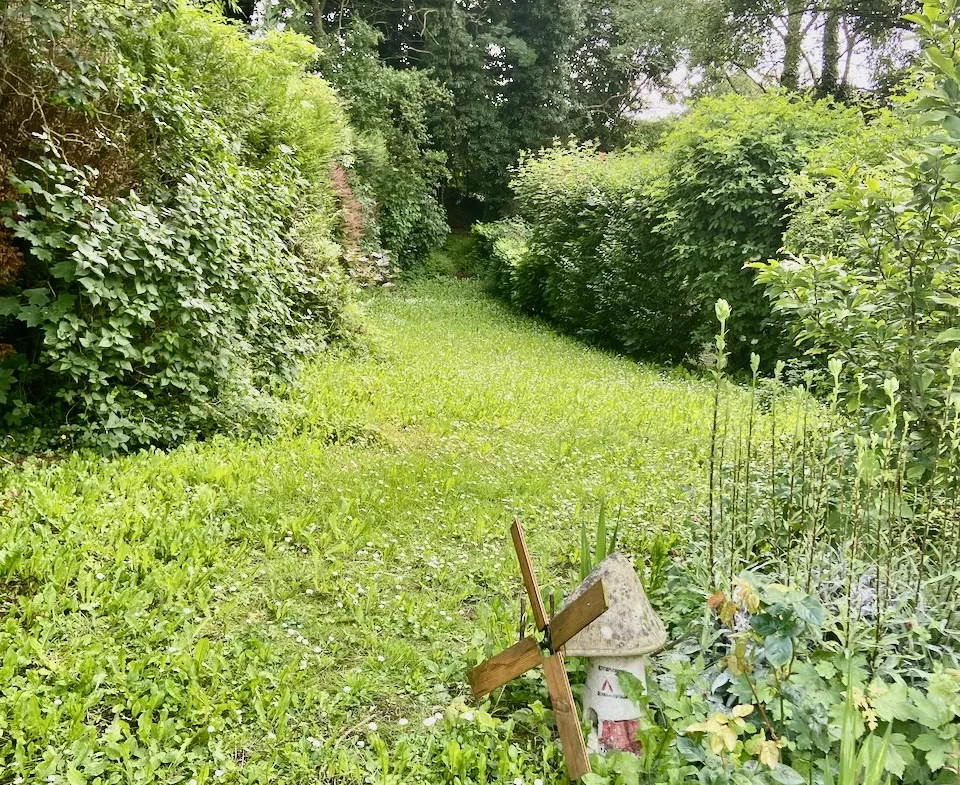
292,609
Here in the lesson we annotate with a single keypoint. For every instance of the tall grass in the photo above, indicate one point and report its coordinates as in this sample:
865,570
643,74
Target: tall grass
845,509
861,764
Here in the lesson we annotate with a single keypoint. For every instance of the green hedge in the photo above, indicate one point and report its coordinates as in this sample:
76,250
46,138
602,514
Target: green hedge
817,222
173,224
634,248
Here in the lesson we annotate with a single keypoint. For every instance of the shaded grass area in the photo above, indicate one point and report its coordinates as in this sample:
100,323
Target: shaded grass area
275,610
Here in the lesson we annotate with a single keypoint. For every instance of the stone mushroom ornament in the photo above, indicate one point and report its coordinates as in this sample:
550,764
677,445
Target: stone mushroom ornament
618,640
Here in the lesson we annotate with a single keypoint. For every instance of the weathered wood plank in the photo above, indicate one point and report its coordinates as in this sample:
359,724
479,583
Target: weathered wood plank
504,667
529,576
585,609
568,722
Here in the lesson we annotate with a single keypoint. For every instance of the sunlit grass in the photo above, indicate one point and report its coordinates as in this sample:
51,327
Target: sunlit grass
251,607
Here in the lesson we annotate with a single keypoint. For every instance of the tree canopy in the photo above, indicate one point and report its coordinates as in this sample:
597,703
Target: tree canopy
523,73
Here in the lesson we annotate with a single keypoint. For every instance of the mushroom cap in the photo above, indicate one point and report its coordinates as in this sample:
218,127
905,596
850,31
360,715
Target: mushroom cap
629,626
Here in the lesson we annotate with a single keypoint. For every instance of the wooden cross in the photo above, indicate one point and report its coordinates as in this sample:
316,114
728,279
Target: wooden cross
529,653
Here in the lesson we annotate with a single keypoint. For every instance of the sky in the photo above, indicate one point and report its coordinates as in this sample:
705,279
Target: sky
658,104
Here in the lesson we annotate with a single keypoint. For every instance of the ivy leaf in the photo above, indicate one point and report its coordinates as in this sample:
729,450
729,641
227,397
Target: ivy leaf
9,306
779,650
37,297
65,271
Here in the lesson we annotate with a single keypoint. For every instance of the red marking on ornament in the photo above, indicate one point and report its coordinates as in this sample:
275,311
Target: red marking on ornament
620,735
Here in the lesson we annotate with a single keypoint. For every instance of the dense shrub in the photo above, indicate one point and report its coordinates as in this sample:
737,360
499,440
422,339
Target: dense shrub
511,269
593,261
566,197
457,257
882,300
174,218
634,248
817,223
393,165
725,202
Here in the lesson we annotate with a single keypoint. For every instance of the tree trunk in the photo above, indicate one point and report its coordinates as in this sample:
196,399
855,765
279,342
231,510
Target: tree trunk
317,7
792,46
829,73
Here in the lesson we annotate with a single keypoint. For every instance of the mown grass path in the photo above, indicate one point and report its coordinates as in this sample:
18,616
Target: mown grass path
250,607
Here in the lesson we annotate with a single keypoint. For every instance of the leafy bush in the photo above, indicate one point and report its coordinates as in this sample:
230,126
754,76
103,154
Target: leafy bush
883,301
586,253
817,223
635,248
511,269
394,167
456,257
725,202
160,294
566,196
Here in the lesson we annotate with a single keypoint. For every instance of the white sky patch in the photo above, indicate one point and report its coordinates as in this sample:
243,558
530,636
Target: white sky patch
856,68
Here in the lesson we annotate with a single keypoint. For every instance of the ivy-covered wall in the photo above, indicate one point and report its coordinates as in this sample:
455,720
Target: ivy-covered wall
170,242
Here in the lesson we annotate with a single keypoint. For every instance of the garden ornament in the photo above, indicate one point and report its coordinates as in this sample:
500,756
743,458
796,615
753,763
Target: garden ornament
619,640
531,652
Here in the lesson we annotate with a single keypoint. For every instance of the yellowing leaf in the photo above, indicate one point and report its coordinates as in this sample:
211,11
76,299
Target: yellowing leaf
716,745
736,665
729,739
745,594
727,611
769,754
